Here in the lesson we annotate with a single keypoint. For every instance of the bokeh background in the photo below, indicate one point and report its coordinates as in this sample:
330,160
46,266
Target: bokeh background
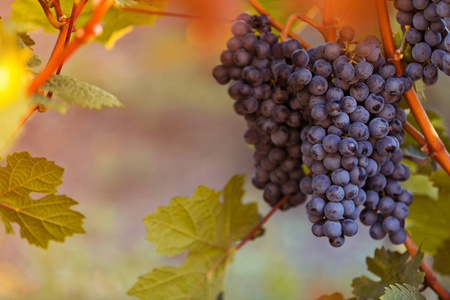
178,130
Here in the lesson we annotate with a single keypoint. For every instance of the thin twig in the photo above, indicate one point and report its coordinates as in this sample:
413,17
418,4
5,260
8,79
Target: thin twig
172,14
306,19
247,238
260,9
417,136
430,278
51,18
436,148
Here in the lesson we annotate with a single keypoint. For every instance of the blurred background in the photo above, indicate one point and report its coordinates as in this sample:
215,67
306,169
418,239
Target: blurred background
178,130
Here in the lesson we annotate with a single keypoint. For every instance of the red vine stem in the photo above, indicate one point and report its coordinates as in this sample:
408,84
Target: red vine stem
171,14
260,9
436,148
306,19
430,278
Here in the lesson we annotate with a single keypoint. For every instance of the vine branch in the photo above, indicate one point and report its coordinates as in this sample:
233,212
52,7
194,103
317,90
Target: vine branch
306,19
430,278
260,9
435,146
51,18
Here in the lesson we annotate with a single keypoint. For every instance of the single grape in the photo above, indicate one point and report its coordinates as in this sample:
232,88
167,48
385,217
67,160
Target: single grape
349,227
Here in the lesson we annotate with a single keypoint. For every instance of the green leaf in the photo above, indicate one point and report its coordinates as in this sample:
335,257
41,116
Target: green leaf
442,258
33,61
429,219
335,296
402,292
420,185
205,227
44,219
419,87
118,22
391,267
72,90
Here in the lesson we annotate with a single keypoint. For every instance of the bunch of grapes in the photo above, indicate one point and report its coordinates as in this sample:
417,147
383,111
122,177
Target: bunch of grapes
425,24
332,108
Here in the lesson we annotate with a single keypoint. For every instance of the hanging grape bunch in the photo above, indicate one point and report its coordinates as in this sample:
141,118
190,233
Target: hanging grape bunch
332,108
425,25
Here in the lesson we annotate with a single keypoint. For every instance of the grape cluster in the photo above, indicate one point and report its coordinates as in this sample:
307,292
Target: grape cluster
352,142
425,24
332,108
257,64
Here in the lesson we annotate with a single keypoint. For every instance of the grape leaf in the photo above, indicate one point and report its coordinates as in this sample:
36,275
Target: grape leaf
33,61
429,219
206,227
72,90
118,22
442,258
402,292
44,219
391,267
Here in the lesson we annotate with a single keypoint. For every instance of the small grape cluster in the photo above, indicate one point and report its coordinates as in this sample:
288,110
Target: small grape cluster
332,108
425,24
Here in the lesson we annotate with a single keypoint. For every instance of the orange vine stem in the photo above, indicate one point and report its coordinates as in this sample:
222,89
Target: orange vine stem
51,18
171,14
430,278
436,148
416,135
81,5
328,21
306,19
69,30
260,9
84,34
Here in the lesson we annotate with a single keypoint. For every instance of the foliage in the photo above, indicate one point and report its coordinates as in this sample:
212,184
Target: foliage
72,90
402,292
429,218
391,267
205,227
40,220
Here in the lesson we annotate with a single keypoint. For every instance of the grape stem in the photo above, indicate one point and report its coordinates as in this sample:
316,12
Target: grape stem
306,19
57,6
435,146
430,278
260,9
51,18
171,14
